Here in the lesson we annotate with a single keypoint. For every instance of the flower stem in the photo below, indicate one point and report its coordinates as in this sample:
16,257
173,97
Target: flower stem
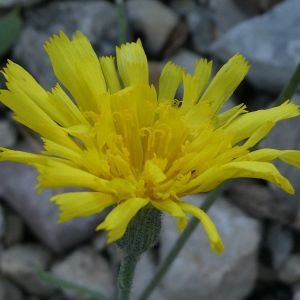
141,234
126,274
171,256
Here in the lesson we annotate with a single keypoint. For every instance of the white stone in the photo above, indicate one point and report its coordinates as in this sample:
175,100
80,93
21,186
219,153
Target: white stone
87,268
143,274
9,291
2,223
9,3
186,59
7,134
270,42
227,14
96,19
198,273
21,263
154,20
290,271
38,212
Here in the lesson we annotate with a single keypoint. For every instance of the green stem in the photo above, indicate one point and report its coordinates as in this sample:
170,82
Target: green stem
122,26
289,90
171,256
125,276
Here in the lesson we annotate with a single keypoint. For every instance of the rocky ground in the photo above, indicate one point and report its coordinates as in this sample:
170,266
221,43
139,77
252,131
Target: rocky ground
259,224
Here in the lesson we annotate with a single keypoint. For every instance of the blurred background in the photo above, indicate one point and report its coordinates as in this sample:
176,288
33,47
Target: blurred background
260,225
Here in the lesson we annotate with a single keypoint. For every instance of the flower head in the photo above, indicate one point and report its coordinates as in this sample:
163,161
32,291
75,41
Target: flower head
106,129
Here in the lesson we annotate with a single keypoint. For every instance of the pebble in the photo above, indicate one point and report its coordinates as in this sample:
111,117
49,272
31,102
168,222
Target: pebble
11,3
290,271
9,291
87,268
270,42
143,274
227,14
7,134
2,223
198,273
20,263
186,59
153,20
258,200
38,212
96,19
14,229
280,242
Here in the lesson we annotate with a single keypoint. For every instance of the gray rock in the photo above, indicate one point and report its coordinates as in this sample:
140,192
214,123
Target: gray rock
280,243
7,134
38,213
270,42
290,271
2,223
26,3
9,291
154,20
99,243
286,135
200,24
30,44
20,264
257,6
142,278
227,14
14,229
198,273
296,289
96,19
259,201
86,268
186,59
183,7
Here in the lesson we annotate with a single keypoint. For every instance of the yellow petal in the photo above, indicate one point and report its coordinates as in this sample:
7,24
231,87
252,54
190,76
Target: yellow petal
226,117
153,172
169,81
67,113
81,204
291,157
172,208
55,149
194,85
21,157
21,82
58,174
169,206
214,176
24,109
246,124
190,91
77,66
202,71
132,64
110,73
210,228
263,170
225,82
118,219
259,134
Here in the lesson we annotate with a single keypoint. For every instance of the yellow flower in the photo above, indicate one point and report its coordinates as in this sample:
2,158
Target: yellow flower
106,129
